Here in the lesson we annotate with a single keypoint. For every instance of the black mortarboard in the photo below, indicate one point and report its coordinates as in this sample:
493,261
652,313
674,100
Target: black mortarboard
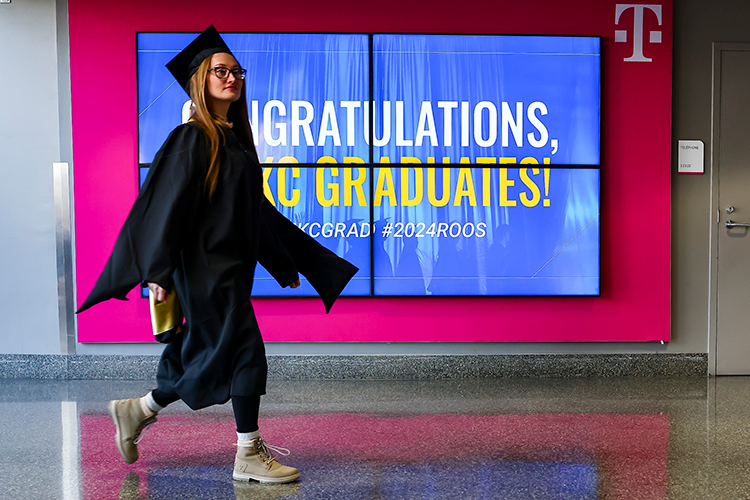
185,64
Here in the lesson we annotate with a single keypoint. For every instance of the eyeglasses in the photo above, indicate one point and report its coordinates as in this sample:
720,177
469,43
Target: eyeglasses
223,73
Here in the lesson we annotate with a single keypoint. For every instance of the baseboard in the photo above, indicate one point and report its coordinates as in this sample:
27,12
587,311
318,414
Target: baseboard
380,367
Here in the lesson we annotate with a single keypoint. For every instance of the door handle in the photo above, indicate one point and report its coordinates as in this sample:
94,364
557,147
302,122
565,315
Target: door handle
730,224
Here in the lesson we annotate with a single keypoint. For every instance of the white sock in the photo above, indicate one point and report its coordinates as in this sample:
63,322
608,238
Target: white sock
150,404
248,436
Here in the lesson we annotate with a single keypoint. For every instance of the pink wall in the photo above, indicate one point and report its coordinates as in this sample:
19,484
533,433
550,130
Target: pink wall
636,138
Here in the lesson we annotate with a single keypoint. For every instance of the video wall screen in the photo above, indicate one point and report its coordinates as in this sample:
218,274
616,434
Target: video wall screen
447,165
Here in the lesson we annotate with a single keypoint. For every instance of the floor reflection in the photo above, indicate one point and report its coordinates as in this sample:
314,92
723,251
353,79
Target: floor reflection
520,439
570,456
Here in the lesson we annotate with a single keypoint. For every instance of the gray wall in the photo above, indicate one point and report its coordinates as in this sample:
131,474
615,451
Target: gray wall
30,313
698,24
29,144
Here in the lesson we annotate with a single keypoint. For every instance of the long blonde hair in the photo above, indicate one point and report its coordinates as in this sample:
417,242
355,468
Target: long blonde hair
213,128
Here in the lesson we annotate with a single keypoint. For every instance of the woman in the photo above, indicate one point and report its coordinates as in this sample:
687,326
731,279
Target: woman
198,227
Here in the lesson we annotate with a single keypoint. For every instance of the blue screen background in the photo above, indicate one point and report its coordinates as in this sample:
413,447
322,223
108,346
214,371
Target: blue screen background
495,230
499,250
560,72
286,68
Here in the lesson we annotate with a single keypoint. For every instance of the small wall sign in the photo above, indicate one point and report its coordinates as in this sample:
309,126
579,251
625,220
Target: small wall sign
690,157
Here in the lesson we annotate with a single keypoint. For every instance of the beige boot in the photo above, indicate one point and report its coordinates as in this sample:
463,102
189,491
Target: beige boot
254,461
130,420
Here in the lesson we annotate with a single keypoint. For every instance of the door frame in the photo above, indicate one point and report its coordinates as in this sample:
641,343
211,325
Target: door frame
713,254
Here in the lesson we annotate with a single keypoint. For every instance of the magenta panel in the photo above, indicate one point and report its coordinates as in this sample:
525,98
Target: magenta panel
635,179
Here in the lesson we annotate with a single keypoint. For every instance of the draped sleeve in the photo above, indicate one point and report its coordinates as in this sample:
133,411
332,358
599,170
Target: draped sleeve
286,249
149,242
272,253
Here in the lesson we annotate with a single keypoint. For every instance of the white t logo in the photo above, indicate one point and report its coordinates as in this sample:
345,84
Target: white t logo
622,35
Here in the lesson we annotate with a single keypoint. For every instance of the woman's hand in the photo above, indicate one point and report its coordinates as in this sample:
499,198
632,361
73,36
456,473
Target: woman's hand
295,284
161,294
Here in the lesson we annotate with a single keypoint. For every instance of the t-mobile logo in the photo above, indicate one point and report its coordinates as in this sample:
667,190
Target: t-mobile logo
622,35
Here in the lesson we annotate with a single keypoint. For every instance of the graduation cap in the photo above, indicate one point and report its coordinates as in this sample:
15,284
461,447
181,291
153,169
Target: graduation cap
184,65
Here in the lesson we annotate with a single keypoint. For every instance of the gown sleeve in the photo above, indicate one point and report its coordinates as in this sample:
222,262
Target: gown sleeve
289,249
273,255
148,244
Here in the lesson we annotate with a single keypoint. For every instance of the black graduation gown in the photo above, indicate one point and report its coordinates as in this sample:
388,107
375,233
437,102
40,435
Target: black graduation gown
208,250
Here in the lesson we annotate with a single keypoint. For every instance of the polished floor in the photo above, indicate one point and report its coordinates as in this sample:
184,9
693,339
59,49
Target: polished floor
629,438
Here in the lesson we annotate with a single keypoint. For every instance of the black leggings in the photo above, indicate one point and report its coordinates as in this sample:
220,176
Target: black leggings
246,408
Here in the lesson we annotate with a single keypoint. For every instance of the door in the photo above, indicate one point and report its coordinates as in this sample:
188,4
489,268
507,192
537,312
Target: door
732,157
